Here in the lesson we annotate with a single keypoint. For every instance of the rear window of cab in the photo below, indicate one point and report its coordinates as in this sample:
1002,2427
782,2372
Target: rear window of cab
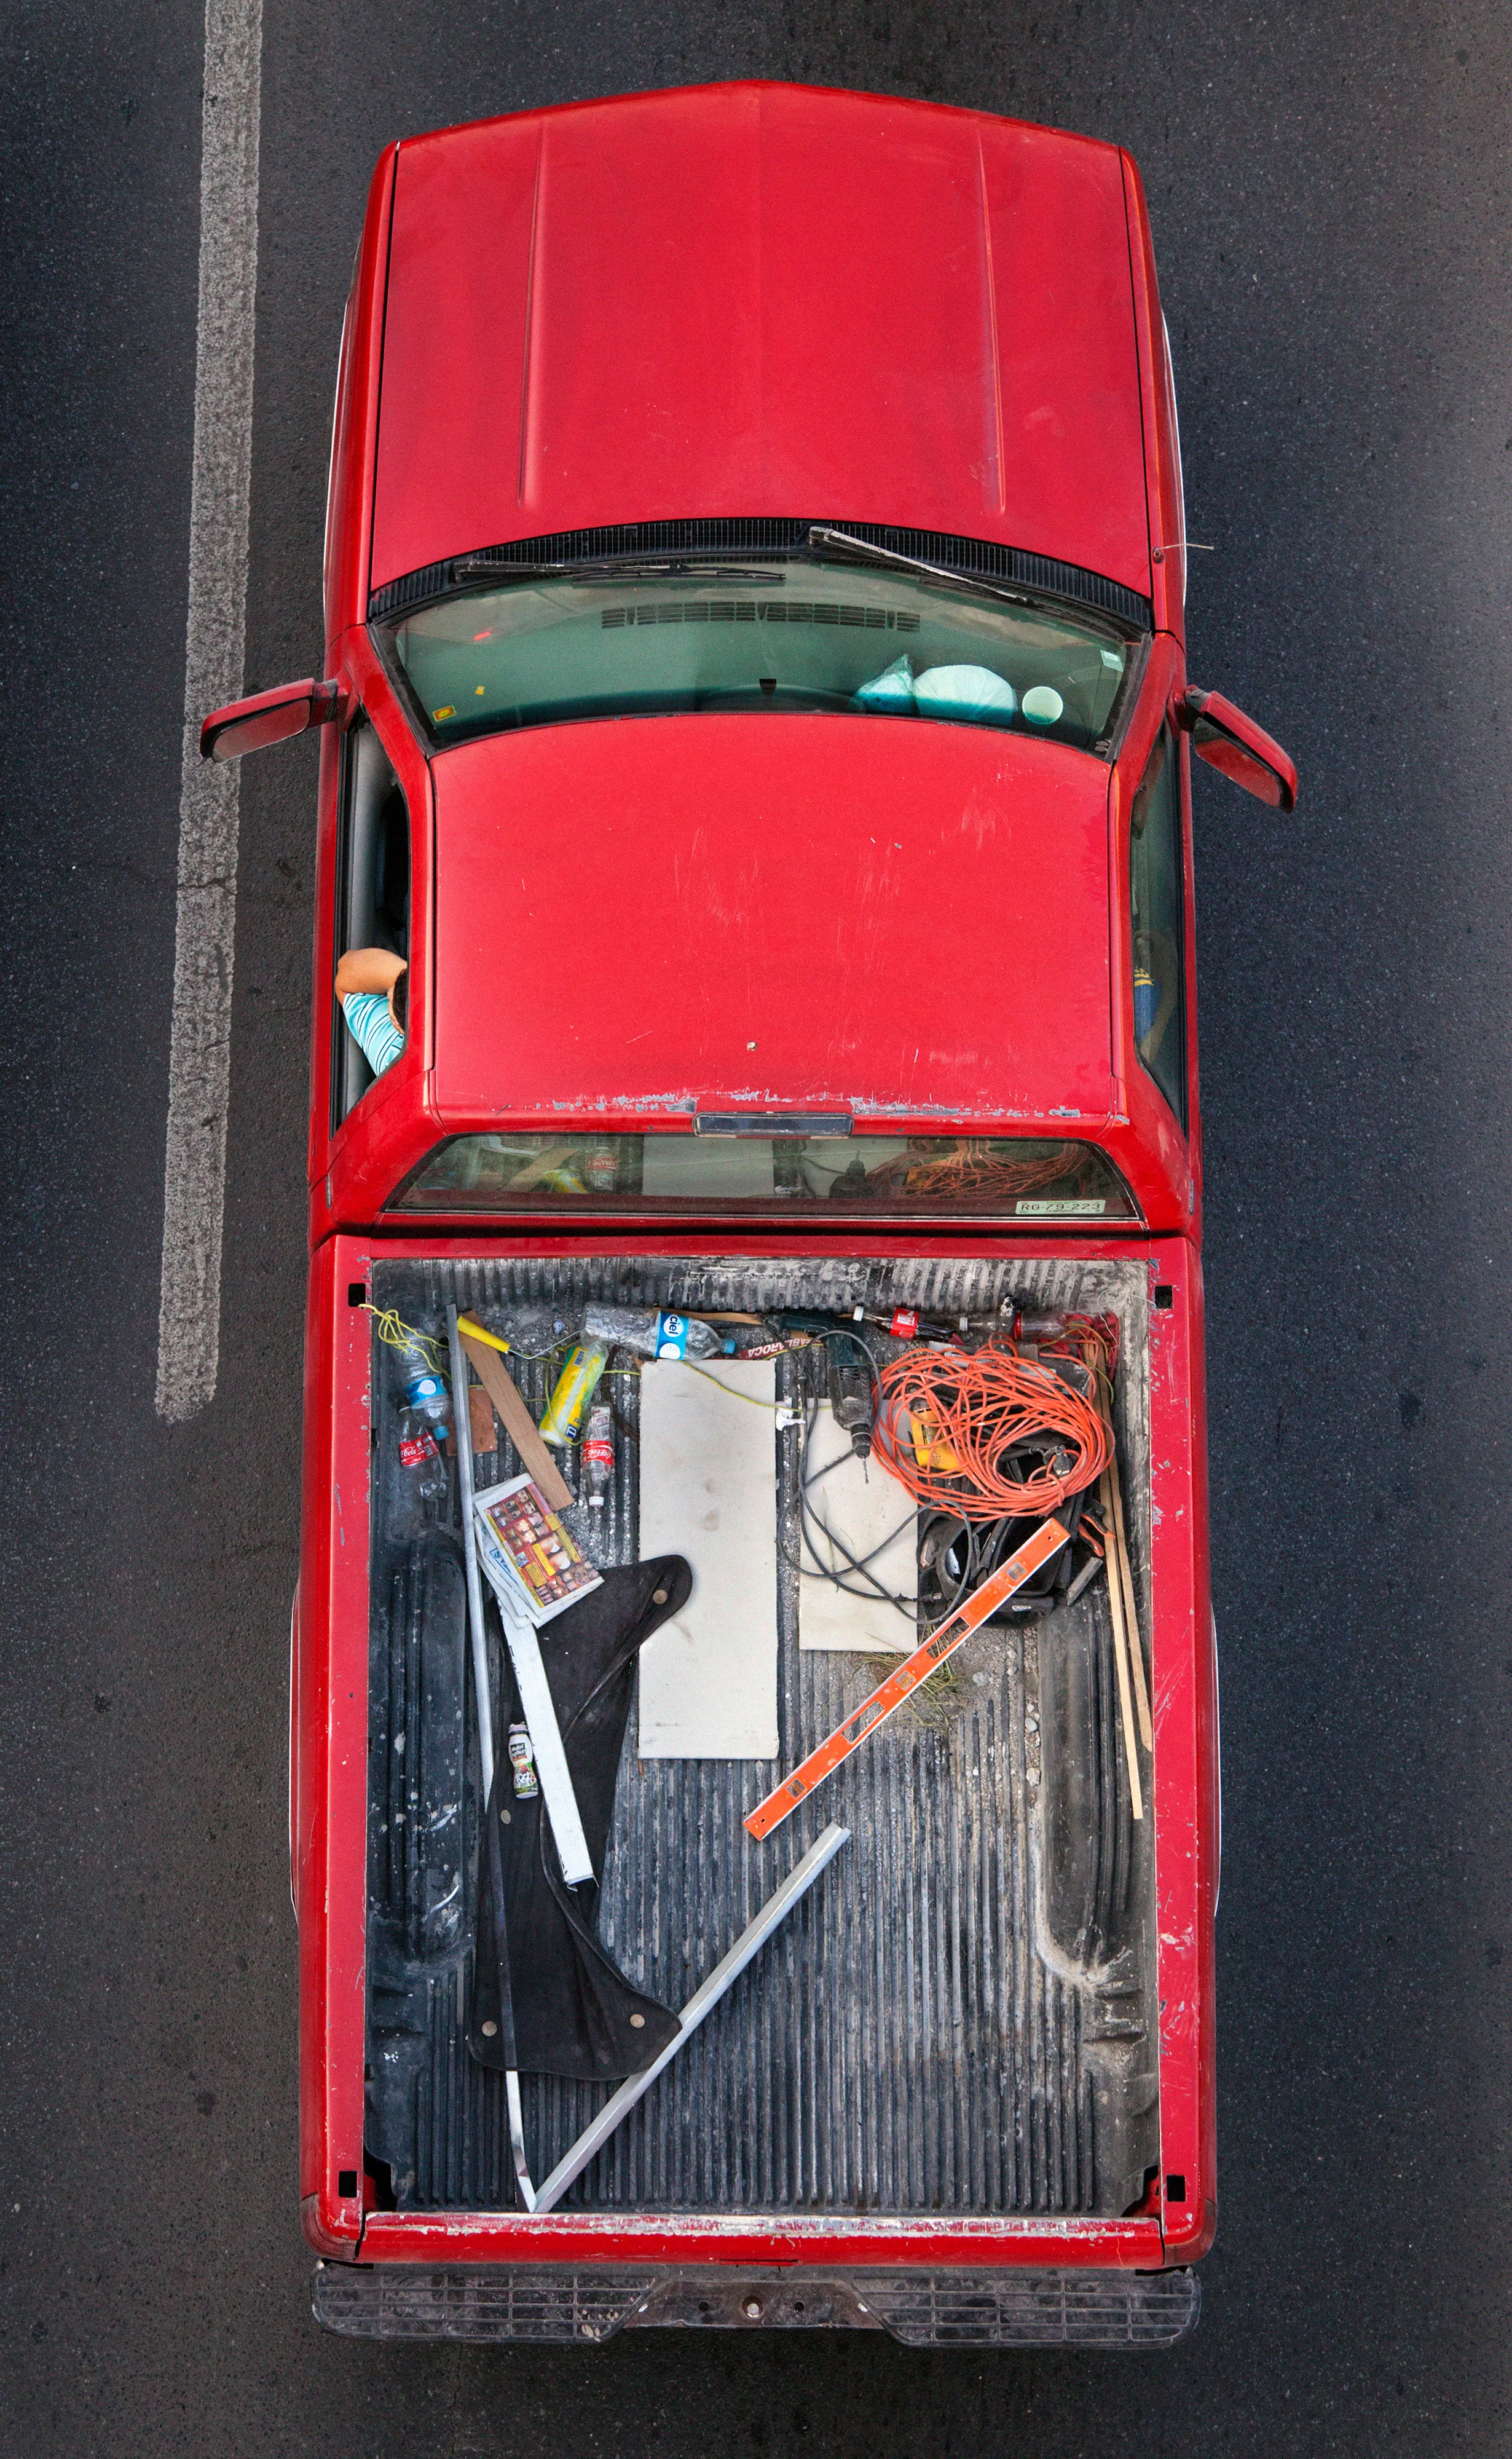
1025,1178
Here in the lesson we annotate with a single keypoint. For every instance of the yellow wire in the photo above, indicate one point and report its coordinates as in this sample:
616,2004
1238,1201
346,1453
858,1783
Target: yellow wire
391,1327
750,1397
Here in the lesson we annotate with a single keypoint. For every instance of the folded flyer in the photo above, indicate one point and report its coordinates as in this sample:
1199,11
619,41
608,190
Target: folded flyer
533,1566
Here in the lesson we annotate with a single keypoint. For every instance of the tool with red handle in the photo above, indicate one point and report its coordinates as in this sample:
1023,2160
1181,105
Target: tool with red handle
1033,1554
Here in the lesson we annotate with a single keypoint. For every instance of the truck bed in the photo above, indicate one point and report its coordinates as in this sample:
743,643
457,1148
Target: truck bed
958,2020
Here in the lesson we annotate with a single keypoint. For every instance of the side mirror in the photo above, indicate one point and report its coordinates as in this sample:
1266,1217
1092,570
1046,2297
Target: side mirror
1233,744
270,717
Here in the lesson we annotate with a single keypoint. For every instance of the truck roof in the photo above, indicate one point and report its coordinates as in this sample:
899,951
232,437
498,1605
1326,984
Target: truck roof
760,300
884,915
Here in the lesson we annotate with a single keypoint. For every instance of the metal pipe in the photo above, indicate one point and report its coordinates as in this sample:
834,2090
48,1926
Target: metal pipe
463,1425
462,1422
752,1938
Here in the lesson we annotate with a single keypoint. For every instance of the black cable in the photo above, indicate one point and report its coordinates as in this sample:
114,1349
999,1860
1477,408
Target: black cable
980,1549
873,1590
964,1541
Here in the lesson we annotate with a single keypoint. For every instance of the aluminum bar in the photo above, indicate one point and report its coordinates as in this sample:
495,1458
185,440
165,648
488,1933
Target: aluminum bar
751,1939
546,1742
462,1422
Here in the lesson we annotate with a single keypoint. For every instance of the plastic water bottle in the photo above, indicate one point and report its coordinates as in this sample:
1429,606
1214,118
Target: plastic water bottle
420,1461
655,1333
423,1388
598,1455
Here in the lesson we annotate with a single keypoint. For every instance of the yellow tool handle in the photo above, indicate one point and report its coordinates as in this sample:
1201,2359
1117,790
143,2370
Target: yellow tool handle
469,1324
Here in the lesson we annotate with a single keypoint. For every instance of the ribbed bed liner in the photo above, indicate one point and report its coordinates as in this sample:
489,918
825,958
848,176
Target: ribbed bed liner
959,2018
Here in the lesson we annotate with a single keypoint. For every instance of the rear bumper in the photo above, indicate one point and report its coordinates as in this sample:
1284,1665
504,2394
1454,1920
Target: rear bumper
555,2304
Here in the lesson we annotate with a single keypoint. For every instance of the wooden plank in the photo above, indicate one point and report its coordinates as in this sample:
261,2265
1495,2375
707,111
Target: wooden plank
1125,1570
518,1422
1121,1664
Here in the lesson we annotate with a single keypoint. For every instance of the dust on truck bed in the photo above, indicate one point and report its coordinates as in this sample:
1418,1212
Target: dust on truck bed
959,2018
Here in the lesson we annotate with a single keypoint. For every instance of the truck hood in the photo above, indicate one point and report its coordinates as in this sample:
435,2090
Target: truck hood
760,301
644,916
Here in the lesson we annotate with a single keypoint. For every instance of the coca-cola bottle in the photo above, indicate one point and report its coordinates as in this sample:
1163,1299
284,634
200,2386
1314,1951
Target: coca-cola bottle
420,1463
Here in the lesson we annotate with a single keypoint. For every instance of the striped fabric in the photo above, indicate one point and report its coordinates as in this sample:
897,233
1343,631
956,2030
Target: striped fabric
373,1028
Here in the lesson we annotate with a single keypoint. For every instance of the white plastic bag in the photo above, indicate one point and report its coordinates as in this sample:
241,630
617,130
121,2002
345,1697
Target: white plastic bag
963,691
891,689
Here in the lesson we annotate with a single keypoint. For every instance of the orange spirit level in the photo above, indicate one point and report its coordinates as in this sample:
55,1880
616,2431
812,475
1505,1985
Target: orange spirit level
1035,1551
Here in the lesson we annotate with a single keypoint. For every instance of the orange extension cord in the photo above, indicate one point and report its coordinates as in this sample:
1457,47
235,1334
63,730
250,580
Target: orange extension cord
948,1417
972,1168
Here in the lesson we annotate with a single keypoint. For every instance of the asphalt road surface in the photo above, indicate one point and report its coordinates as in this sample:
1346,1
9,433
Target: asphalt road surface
1330,191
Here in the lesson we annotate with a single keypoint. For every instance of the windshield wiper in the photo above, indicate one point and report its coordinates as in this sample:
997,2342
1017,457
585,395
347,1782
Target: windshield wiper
866,553
469,568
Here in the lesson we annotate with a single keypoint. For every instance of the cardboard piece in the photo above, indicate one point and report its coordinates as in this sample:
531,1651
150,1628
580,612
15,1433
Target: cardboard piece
484,1437
708,1492
864,1508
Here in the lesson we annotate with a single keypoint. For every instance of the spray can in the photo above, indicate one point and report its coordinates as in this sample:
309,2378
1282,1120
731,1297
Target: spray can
597,1454
522,1763
576,1385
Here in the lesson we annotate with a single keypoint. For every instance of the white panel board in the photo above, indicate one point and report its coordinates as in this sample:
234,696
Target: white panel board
858,1503
707,1165
708,1491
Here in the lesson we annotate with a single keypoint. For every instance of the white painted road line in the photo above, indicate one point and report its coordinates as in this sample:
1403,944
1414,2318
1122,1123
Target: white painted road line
199,1059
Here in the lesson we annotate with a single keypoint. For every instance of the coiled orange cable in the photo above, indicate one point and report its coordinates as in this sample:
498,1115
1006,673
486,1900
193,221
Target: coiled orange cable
949,1418
971,1167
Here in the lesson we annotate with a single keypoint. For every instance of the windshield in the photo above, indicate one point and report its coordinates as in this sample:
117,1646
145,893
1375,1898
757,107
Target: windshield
1025,1177
799,634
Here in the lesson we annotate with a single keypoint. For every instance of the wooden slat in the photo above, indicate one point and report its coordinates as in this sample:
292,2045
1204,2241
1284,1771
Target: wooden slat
518,1422
1120,1654
484,1437
1125,1574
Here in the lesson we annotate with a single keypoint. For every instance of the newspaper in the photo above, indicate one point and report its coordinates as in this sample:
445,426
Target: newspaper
531,1563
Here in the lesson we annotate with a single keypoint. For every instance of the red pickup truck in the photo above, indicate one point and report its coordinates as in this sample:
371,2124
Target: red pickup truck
755,711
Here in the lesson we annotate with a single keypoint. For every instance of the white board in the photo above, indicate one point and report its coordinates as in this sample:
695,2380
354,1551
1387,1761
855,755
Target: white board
864,1508
708,1492
708,1166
